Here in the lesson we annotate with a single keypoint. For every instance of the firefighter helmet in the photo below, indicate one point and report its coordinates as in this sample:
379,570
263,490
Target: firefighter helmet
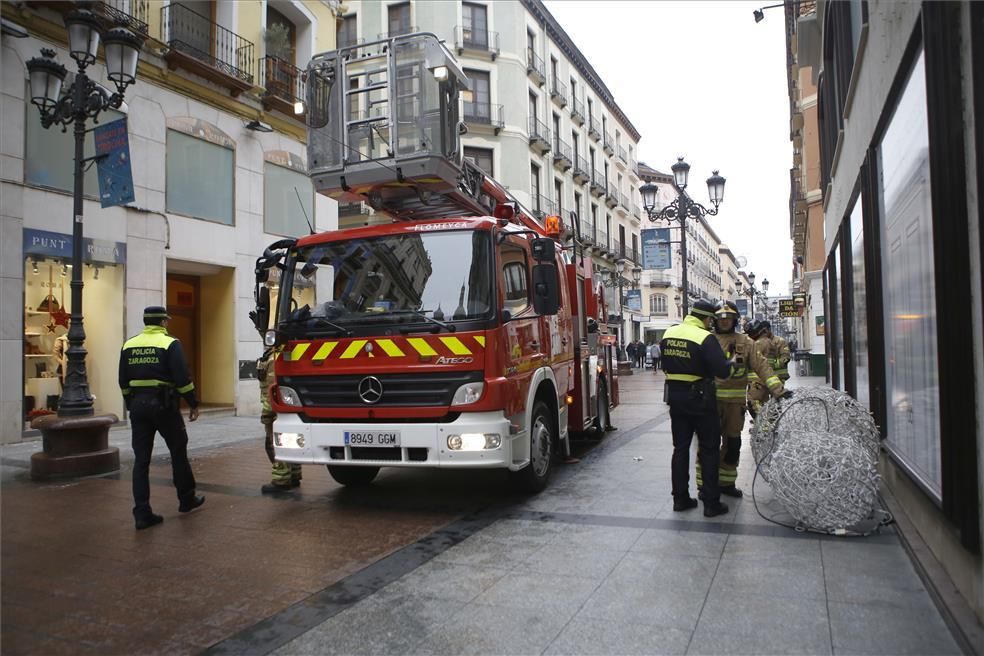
726,310
754,329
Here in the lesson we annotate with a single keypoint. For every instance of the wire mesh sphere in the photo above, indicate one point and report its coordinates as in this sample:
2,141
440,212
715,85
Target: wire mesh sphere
825,480
812,408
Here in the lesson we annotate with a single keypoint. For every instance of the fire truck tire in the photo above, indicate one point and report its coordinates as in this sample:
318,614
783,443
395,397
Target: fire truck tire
603,418
534,476
353,476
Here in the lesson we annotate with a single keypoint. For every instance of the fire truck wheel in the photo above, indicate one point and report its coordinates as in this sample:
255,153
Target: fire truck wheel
353,476
533,477
603,417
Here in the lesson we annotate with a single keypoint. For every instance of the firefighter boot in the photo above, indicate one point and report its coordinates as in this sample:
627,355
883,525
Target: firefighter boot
280,479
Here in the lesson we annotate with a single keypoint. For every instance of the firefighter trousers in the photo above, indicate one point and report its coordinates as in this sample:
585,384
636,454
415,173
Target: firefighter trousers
282,473
732,418
707,426
146,420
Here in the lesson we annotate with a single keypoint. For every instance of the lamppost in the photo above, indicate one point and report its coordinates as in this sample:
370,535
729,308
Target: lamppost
754,293
681,209
82,100
617,279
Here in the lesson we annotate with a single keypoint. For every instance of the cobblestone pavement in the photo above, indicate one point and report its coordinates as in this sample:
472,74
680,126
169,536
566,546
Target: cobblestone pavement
446,563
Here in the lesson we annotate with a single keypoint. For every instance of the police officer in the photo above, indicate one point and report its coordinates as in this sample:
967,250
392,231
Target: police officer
731,393
284,476
153,375
692,358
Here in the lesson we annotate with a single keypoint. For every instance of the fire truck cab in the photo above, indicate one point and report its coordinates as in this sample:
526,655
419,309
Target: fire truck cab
467,332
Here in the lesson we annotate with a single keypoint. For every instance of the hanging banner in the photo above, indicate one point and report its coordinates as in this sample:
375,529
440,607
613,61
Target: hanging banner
113,165
742,304
633,300
656,249
789,308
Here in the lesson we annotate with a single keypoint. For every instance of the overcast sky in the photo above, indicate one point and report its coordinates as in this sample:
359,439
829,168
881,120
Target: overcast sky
704,80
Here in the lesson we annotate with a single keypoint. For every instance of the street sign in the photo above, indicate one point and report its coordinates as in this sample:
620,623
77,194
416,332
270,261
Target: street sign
113,165
656,249
789,308
742,304
633,300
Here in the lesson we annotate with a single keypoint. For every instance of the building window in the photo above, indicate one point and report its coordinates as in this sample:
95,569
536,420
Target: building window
657,304
481,157
279,24
288,201
559,196
200,178
577,206
475,23
532,106
859,318
399,19
535,186
50,155
909,295
594,217
556,131
478,100
348,31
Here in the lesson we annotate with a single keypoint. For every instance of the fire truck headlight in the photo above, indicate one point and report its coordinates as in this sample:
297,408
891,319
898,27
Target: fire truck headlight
468,393
474,441
288,440
270,338
288,396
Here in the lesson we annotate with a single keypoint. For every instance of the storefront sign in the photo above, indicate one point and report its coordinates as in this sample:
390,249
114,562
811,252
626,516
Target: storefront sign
55,244
113,165
789,308
800,299
633,300
656,249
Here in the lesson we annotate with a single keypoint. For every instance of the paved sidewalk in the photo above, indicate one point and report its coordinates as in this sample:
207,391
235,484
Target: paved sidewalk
599,564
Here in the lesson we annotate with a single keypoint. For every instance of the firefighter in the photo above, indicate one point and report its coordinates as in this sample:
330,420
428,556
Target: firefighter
284,476
153,376
692,358
780,350
731,394
758,393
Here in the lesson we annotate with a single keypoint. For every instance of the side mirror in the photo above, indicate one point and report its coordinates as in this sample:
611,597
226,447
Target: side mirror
546,290
543,249
261,315
506,316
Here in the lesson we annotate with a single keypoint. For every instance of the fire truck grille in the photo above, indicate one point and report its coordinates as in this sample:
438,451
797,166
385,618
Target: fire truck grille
398,390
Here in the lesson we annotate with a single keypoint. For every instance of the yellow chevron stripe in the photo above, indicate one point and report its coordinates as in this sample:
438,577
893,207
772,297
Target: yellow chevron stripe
421,346
481,340
390,348
298,351
455,346
324,351
353,349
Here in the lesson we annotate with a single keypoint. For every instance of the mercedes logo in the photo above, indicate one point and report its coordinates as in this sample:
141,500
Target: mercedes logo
370,389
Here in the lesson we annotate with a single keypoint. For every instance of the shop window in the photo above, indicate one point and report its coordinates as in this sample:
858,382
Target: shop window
200,178
50,155
859,318
909,294
288,201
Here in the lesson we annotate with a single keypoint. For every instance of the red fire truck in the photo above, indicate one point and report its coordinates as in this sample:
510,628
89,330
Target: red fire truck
467,332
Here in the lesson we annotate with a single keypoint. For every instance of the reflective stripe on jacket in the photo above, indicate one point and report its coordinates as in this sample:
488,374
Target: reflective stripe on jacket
689,353
749,365
155,359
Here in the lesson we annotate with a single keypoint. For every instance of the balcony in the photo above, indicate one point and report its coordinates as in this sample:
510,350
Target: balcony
130,14
601,240
609,145
636,212
577,111
558,93
543,206
581,171
283,85
597,184
611,196
534,67
623,156
623,201
205,48
399,30
476,42
594,129
622,209
633,255
483,115
660,280
563,158
539,136
588,234
634,168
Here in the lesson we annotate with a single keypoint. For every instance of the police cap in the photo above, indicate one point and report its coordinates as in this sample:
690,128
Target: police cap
702,308
154,314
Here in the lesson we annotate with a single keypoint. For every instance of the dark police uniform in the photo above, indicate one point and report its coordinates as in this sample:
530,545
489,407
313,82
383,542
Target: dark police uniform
692,357
153,374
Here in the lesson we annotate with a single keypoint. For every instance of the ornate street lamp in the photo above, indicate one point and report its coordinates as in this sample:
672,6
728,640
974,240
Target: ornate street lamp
82,100
681,209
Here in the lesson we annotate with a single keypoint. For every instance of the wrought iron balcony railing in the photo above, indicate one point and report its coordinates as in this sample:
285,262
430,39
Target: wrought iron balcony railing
283,81
539,135
597,183
562,156
558,92
577,111
609,144
534,67
397,31
465,38
594,128
198,37
622,154
581,171
484,114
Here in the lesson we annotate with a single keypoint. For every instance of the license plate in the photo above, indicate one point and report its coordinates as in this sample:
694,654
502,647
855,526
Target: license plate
372,438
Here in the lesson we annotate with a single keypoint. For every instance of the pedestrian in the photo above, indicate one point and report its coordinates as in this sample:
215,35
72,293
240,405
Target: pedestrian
731,395
153,377
692,358
284,476
654,356
630,352
640,354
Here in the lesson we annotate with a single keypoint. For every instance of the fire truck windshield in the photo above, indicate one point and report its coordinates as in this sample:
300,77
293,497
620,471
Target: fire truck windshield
434,279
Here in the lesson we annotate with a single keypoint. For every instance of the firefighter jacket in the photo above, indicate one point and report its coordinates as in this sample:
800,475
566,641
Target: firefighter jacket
780,364
266,378
748,363
154,359
691,358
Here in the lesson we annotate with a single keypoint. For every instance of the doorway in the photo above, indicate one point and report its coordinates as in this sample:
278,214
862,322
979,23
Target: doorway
183,294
